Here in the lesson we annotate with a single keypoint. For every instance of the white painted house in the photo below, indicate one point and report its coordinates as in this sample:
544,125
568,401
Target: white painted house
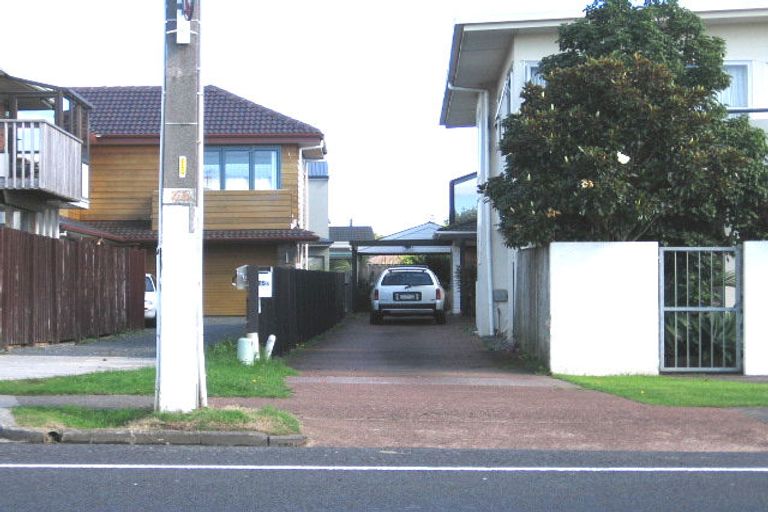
317,214
489,64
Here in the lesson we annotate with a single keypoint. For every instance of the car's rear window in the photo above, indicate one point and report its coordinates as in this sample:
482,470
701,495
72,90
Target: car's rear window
149,286
407,278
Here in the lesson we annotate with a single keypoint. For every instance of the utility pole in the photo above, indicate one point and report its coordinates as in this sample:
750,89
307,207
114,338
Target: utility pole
181,384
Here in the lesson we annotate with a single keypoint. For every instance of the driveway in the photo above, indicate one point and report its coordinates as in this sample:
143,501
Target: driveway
416,384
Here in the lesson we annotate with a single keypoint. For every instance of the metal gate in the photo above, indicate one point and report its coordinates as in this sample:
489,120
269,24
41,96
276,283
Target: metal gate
700,304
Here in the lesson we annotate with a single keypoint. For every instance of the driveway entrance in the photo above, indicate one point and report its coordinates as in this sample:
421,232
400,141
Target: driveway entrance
411,383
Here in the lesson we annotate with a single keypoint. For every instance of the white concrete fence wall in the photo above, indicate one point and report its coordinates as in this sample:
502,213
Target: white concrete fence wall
596,310
755,297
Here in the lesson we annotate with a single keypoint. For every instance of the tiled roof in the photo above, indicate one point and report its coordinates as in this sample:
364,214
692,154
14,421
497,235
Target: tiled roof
136,111
350,233
317,169
141,231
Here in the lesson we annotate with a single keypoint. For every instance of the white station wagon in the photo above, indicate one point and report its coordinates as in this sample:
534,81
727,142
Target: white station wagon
408,290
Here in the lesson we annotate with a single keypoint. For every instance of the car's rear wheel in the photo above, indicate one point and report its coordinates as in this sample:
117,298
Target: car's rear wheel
375,318
440,317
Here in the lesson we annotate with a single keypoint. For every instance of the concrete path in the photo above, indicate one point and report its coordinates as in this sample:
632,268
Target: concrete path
16,367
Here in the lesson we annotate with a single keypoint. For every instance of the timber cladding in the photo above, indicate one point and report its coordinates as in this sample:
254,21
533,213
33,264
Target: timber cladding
124,185
242,209
58,290
220,298
123,180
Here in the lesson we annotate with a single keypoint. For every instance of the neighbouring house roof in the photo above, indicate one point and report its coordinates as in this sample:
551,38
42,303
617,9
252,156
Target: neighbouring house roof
16,85
136,111
419,235
141,231
469,226
350,233
317,170
466,230
84,228
420,232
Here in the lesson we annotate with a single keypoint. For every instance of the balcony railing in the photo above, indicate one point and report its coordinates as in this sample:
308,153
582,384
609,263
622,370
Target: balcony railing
757,116
38,156
243,209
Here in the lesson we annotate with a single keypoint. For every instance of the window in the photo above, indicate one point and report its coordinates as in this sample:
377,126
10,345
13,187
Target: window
463,199
737,94
407,278
504,106
237,168
532,74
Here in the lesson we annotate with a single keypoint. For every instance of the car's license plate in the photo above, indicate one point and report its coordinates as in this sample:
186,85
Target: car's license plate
408,296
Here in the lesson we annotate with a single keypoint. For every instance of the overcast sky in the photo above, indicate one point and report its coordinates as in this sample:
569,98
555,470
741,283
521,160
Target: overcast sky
370,75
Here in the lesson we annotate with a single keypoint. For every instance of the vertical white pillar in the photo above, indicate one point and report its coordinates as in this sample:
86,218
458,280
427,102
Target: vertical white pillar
755,297
456,291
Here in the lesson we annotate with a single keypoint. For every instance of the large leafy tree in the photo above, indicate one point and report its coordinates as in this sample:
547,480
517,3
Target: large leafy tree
627,141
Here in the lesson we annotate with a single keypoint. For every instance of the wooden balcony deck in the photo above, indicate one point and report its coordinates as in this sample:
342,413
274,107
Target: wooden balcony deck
243,209
40,157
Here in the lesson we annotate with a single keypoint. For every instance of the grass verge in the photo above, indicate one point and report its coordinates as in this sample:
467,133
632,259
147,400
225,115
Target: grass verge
226,377
677,391
267,419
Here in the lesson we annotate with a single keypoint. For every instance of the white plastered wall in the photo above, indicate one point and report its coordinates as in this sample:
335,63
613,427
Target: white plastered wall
755,297
604,308
747,42
528,47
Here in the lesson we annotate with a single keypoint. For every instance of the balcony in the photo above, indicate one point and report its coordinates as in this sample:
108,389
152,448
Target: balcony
42,160
757,116
243,209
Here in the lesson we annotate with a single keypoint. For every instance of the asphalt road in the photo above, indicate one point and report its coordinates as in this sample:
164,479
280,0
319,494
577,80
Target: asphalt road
86,478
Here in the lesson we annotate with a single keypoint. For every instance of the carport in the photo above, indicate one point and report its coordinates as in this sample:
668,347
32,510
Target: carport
394,247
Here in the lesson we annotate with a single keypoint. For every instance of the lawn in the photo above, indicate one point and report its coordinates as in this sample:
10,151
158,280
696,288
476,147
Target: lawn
225,375
267,419
682,391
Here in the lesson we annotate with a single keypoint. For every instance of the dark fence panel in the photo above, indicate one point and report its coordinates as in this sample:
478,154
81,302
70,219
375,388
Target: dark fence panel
59,290
304,303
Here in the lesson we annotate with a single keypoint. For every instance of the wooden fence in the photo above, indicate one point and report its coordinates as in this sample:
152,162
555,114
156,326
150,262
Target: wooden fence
59,290
304,303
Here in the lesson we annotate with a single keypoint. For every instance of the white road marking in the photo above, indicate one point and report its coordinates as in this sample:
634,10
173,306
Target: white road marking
417,469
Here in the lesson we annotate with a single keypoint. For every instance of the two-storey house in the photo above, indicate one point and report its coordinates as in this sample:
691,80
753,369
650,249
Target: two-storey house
43,154
254,165
489,64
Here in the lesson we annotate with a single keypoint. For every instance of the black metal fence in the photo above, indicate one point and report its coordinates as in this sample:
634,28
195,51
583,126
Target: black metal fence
304,303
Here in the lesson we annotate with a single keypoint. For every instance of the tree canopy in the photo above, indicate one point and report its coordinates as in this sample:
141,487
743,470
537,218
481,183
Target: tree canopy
627,141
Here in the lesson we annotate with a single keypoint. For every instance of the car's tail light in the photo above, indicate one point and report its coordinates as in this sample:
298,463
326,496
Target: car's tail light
375,294
438,294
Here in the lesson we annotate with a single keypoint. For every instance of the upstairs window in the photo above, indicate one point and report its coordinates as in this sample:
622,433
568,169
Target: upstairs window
463,199
532,74
736,95
237,168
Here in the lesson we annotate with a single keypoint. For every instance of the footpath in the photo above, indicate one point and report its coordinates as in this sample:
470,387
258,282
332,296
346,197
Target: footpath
122,352
413,384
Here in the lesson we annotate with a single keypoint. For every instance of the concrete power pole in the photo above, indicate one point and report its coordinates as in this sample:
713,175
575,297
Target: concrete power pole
181,384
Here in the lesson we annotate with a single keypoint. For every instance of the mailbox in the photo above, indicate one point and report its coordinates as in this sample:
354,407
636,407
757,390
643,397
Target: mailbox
240,278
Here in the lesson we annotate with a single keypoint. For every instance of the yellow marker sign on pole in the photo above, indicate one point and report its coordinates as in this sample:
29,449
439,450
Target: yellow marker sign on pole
182,167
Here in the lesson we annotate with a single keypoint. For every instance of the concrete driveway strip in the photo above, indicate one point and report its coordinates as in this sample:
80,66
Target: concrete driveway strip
416,384
15,367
